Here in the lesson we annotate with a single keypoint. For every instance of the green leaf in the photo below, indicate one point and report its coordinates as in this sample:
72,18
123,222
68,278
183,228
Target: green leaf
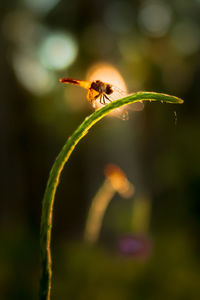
49,196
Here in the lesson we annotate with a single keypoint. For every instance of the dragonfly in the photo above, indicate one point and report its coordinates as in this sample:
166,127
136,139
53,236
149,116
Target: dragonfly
100,93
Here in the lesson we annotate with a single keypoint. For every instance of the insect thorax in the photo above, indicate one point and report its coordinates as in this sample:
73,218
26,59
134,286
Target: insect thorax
101,87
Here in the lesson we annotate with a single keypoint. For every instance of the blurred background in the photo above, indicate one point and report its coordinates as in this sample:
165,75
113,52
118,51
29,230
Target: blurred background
148,244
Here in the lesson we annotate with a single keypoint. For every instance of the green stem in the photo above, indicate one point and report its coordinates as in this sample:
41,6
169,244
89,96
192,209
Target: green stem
49,196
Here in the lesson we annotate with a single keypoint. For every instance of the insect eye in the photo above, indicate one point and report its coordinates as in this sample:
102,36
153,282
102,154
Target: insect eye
109,90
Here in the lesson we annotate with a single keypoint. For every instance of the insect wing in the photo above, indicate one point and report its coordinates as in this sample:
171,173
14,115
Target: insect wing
118,93
122,112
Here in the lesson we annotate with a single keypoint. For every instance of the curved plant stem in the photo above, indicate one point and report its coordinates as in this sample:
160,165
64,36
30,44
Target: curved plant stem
49,196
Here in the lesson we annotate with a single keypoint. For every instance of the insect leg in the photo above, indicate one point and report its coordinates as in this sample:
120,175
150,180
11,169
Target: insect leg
101,99
107,98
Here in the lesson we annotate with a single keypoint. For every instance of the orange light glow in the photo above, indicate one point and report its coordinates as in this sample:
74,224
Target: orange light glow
107,73
97,211
115,181
119,180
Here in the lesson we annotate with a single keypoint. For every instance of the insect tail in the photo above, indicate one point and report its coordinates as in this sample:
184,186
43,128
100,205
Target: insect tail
82,83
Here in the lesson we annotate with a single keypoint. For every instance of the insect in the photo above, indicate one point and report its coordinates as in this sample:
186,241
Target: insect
101,93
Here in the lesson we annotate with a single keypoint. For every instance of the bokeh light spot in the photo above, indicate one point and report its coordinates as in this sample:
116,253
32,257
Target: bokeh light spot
41,6
120,17
185,37
32,75
58,51
155,18
20,27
